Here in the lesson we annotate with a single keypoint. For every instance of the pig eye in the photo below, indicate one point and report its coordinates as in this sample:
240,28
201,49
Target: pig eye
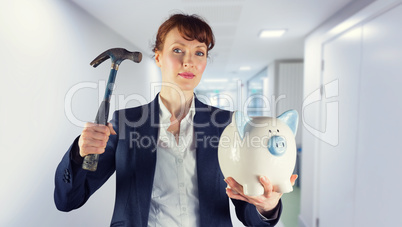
277,130
270,131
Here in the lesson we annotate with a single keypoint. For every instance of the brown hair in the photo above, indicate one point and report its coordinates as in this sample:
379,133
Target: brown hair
191,27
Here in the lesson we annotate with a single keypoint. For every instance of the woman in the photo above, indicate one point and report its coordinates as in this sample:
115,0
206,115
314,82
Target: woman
165,153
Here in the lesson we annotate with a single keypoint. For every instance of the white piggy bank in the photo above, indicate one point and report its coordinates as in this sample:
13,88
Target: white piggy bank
260,146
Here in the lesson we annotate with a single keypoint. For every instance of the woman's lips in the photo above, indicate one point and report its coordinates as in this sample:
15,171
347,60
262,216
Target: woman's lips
187,75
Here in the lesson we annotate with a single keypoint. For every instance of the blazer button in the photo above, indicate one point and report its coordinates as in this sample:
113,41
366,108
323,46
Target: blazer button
67,172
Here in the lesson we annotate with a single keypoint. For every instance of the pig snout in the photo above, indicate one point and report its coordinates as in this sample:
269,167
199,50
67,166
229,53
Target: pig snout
277,145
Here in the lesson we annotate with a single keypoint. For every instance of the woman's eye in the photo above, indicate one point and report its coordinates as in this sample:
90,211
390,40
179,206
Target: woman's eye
199,53
177,50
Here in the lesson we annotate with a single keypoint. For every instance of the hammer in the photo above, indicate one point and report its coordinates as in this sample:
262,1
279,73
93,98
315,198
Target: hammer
117,55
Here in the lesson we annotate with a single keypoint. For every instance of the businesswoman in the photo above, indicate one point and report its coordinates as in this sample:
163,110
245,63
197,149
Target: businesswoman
165,153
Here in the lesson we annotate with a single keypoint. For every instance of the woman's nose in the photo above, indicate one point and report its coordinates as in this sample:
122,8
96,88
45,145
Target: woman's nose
188,60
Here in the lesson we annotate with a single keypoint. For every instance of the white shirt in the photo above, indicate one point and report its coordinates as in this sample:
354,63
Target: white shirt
174,199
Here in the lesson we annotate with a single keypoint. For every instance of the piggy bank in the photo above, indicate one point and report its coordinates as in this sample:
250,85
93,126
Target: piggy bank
259,146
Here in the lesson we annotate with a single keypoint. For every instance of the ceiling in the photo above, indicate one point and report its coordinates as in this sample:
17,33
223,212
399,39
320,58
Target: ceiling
235,23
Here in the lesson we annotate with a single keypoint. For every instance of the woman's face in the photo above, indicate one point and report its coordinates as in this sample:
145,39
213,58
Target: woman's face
182,62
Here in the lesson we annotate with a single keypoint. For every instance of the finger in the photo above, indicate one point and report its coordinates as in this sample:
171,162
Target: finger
101,129
112,131
90,142
97,136
89,124
234,195
91,127
266,183
88,136
234,185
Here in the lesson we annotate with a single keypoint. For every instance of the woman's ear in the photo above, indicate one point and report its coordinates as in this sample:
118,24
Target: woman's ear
157,58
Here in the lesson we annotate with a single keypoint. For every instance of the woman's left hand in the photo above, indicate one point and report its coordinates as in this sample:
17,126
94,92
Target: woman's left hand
265,202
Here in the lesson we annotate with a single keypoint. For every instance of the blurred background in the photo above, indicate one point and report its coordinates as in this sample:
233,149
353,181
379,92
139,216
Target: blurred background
338,63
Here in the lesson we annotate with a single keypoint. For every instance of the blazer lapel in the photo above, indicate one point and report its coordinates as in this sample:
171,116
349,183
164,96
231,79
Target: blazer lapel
205,134
145,153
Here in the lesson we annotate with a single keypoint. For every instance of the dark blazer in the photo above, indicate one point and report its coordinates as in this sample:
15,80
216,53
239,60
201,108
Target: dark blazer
132,154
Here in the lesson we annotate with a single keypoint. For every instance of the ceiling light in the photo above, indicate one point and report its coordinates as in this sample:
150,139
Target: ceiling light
272,33
244,68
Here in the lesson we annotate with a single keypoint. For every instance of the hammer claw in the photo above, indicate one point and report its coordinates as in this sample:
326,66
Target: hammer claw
101,58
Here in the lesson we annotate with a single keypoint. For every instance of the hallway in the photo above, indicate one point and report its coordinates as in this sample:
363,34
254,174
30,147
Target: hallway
338,63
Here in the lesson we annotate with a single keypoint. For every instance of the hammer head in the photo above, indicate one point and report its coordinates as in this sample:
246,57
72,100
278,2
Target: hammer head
117,55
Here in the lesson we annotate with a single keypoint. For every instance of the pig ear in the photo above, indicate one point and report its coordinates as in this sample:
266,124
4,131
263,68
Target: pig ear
291,118
240,121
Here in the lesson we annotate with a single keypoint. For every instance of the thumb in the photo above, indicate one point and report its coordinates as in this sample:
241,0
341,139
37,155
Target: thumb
111,129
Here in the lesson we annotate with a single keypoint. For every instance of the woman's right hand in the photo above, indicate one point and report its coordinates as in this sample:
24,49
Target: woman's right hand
94,138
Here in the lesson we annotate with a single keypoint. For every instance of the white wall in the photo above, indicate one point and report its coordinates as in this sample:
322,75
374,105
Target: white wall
346,181
310,115
46,47
378,142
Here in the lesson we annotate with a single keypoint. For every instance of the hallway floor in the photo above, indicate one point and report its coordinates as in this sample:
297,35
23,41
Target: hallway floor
291,208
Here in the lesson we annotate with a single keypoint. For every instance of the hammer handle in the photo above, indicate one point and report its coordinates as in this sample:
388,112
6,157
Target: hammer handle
103,113
91,161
